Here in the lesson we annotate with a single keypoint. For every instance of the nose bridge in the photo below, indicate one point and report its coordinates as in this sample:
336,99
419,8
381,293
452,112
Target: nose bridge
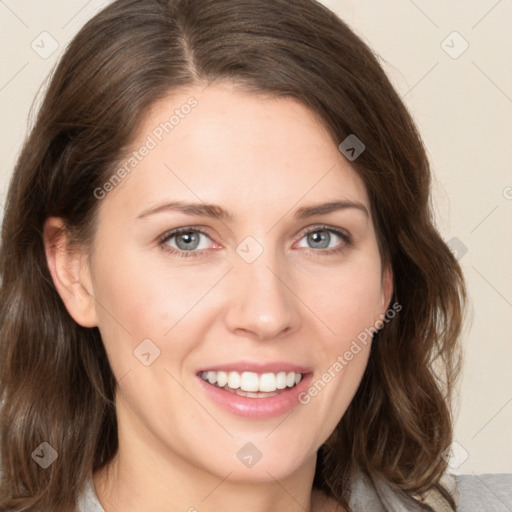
261,303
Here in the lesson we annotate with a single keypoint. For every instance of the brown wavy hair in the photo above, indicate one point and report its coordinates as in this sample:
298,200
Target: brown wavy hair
56,383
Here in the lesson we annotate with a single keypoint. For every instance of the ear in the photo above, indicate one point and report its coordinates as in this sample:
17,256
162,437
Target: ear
69,268
387,287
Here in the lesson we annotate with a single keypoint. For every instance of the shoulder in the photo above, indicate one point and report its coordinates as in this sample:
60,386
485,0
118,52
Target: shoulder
475,492
381,496
436,500
484,492
470,492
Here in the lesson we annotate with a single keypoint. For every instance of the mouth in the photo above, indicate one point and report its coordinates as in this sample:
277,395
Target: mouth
252,384
254,389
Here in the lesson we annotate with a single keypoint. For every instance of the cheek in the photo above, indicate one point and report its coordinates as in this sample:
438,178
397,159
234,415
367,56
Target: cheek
350,301
137,293
137,300
127,305
350,310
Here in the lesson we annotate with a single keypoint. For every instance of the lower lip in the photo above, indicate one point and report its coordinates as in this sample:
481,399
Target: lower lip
257,408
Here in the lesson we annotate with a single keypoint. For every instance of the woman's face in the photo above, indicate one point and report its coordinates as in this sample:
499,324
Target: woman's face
268,282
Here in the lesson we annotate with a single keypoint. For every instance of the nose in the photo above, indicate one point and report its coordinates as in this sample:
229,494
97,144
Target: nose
262,303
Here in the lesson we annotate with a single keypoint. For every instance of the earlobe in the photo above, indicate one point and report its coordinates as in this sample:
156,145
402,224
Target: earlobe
70,272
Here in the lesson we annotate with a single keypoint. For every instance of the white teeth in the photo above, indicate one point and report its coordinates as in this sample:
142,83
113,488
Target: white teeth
222,379
281,380
267,382
234,380
253,382
249,381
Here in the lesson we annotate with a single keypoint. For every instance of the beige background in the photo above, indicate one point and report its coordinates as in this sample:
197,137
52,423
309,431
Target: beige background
462,102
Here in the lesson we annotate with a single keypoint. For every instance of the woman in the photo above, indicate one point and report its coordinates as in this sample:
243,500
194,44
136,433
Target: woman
221,282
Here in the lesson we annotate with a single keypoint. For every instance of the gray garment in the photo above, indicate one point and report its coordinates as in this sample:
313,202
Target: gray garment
477,493
382,498
89,502
473,493
487,492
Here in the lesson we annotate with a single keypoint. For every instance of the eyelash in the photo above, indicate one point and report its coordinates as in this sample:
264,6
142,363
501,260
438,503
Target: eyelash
162,241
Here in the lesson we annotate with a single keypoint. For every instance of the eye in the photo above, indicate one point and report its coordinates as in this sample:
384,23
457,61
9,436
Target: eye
323,237
185,240
190,242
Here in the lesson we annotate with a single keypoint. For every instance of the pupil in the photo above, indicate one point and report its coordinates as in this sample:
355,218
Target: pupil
319,239
187,240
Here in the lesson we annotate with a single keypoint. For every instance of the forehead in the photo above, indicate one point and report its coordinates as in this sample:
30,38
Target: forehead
231,147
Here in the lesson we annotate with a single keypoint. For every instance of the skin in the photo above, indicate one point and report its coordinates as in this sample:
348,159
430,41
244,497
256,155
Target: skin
260,158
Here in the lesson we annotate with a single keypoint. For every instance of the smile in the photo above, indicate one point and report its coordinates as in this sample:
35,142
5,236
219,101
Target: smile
251,383
254,395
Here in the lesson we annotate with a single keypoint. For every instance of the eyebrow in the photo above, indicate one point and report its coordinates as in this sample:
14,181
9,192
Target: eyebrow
213,210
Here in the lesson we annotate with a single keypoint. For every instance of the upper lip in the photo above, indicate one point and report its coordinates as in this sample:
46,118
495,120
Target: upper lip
248,366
